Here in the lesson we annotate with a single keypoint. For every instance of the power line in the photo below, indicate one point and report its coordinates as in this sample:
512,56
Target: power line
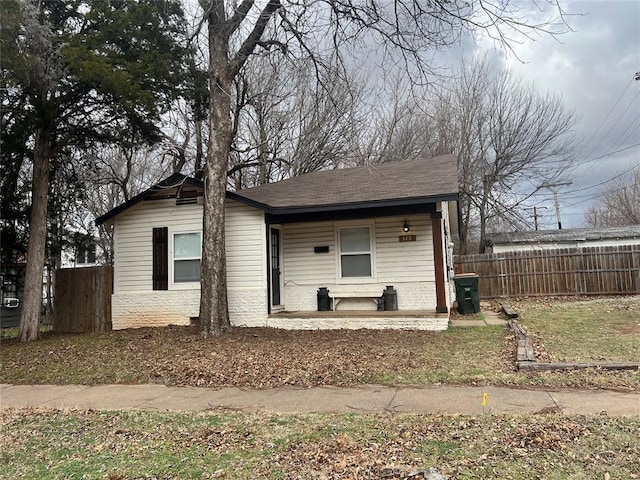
607,181
607,133
601,194
607,117
614,124
615,144
569,193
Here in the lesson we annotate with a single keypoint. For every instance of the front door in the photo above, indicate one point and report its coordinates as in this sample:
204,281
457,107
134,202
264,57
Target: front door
275,267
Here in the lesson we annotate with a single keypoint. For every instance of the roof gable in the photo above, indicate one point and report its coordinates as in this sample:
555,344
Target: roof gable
400,184
177,180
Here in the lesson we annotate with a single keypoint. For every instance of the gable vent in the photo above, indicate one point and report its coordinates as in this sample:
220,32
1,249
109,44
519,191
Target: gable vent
187,201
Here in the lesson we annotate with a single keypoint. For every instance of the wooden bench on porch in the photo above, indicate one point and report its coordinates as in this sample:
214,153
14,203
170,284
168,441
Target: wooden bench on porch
338,294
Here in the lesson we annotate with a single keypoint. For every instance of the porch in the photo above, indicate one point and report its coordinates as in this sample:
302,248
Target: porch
359,319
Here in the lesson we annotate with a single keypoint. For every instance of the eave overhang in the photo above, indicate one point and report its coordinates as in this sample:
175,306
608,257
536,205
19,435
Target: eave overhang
293,213
174,181
368,209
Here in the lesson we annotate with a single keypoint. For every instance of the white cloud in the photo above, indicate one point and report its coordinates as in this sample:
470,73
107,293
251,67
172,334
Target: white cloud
592,67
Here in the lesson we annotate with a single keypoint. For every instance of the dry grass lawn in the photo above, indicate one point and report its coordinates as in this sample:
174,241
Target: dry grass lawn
262,357
53,444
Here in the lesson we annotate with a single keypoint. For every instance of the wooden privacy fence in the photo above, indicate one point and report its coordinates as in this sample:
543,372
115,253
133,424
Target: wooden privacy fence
83,300
566,271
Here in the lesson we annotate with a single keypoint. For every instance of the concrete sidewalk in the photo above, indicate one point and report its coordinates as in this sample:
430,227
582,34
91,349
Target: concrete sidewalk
364,399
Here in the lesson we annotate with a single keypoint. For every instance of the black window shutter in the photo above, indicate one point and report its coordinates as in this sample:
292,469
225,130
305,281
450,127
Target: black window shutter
161,258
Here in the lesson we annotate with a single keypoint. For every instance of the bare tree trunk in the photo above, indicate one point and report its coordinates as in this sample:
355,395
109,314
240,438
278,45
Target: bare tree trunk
197,171
30,320
214,311
482,211
262,146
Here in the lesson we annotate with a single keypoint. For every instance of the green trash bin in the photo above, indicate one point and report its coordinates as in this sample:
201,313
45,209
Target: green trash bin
467,294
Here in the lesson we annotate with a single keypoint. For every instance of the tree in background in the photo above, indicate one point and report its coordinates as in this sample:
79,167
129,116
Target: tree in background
400,128
286,124
112,175
511,141
84,73
618,203
404,32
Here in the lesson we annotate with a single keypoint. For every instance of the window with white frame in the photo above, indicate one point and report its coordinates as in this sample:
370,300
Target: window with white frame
187,248
355,252
86,254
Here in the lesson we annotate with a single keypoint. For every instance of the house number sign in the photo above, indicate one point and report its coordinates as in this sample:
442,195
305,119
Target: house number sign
407,238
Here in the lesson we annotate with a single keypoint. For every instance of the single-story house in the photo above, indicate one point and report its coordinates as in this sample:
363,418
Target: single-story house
362,247
570,238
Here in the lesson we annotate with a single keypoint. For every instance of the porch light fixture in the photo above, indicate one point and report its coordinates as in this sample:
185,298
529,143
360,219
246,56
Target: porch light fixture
405,226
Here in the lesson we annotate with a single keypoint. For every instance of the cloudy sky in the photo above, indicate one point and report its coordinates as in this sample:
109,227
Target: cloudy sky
593,68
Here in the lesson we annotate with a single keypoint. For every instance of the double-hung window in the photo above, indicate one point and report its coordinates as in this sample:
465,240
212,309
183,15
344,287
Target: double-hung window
355,252
187,249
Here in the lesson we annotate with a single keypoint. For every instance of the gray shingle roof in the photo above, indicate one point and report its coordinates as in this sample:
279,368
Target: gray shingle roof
410,182
571,235
425,178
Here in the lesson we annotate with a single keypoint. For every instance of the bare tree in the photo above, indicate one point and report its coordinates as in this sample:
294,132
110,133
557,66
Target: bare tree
510,141
287,124
399,126
116,175
404,31
618,204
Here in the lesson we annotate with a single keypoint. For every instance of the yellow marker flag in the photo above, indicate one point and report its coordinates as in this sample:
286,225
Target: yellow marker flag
484,400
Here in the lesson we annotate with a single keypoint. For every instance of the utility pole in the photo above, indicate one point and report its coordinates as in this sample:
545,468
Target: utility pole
535,215
554,188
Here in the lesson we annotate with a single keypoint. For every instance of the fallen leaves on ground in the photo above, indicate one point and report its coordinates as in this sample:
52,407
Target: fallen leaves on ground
244,357
42,443
265,357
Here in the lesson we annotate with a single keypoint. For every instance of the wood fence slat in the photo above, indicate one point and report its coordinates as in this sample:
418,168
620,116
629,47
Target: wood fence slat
566,271
83,300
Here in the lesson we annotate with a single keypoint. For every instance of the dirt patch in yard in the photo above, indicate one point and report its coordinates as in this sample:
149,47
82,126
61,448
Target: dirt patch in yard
630,330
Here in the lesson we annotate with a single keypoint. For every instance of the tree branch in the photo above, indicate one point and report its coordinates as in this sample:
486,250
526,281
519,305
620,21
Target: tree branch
238,16
254,38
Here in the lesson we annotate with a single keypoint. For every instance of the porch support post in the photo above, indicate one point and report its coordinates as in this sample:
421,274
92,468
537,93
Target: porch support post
438,261
268,272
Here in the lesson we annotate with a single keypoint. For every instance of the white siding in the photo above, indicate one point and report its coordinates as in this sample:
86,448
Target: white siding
301,265
404,261
135,301
133,240
245,245
408,266
246,264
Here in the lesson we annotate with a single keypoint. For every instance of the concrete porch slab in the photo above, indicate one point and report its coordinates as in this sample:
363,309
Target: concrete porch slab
360,319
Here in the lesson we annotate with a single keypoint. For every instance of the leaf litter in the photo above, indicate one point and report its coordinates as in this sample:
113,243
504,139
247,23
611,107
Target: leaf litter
43,443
